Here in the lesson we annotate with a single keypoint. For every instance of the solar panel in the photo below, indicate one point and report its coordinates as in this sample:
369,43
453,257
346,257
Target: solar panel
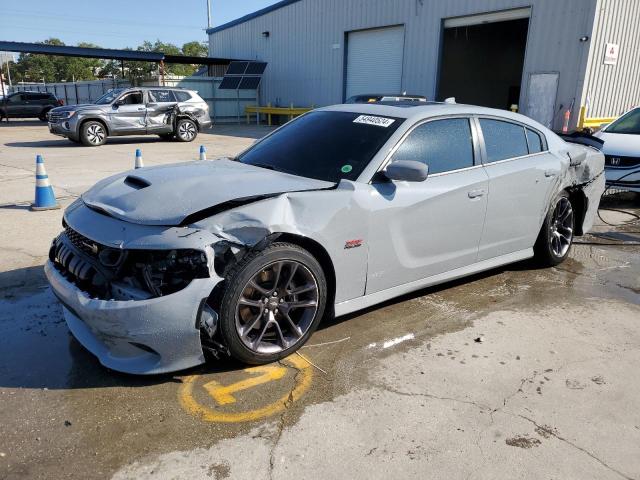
237,68
249,83
256,68
230,83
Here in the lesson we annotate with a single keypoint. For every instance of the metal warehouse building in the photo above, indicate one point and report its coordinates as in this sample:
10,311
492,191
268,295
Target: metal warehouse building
545,56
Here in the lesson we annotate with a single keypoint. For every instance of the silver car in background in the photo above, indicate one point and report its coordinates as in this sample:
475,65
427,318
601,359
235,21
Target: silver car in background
340,209
171,113
622,151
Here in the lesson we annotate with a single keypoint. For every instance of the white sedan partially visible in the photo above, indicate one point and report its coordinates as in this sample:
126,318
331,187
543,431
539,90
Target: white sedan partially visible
622,151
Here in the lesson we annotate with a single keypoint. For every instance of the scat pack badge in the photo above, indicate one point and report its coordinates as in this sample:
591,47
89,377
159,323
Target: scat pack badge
353,243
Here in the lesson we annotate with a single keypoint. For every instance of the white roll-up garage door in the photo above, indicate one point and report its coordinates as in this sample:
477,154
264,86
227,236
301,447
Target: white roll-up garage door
374,61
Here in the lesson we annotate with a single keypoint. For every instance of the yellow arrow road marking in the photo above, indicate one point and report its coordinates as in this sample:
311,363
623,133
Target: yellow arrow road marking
223,393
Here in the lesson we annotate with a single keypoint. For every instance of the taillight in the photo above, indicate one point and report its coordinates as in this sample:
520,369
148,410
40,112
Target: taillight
61,102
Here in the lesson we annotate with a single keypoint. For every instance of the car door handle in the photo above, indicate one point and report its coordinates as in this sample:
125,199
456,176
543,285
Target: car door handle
549,173
140,109
476,193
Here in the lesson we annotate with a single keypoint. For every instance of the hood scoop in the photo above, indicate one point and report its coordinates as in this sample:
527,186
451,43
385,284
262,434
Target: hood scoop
182,193
136,182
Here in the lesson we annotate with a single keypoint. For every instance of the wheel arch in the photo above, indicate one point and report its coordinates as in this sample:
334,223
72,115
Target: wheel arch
182,116
580,204
93,119
224,262
320,254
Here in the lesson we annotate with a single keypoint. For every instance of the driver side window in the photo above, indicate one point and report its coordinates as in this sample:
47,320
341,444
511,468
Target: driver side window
134,98
443,145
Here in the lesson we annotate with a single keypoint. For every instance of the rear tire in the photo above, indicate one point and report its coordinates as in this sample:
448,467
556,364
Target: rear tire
186,130
556,235
272,302
93,134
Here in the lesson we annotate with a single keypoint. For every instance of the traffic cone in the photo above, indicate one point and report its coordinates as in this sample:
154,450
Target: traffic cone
45,198
203,153
139,163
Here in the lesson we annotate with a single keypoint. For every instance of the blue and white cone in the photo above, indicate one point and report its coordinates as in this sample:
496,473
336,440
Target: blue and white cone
203,153
45,198
139,163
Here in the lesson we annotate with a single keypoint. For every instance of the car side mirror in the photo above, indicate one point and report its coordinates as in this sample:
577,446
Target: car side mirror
117,103
407,170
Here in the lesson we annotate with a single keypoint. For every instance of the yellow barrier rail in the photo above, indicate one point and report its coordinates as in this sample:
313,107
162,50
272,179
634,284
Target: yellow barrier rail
290,111
591,122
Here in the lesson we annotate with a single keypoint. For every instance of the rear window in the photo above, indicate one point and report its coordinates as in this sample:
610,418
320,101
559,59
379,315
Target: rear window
182,96
161,96
503,140
324,145
534,140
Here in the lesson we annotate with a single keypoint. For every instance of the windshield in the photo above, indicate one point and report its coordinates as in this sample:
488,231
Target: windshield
628,123
109,97
324,145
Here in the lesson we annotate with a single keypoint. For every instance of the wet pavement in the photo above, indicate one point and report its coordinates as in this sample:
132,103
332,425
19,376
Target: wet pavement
517,372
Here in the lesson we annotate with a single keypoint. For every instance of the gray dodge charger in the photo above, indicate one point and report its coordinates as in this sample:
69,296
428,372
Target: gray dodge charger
340,209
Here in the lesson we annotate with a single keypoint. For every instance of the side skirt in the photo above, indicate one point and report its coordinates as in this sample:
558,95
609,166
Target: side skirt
365,301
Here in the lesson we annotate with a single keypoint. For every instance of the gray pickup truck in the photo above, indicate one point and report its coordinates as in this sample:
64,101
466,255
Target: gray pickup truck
171,113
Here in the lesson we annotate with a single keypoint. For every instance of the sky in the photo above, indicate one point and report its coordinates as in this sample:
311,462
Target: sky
117,23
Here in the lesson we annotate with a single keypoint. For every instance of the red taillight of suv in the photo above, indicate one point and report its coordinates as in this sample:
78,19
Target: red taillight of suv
60,102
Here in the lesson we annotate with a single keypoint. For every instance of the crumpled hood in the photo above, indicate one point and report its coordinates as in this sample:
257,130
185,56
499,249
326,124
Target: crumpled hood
167,194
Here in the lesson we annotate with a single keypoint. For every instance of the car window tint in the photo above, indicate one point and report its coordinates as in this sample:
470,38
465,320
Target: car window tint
535,142
325,145
161,96
14,98
503,139
628,123
132,98
443,145
182,96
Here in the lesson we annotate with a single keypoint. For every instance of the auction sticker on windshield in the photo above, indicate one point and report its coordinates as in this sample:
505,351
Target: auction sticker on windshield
372,120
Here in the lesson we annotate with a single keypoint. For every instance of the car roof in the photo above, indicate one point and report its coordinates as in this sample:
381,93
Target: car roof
419,110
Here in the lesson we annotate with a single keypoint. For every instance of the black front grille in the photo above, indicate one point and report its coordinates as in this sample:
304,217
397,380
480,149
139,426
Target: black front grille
83,243
619,161
55,117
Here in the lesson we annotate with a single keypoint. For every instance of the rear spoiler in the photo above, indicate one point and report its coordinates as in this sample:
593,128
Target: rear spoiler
582,138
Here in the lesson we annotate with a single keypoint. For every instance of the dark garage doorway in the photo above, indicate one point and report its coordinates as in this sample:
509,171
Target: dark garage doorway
482,64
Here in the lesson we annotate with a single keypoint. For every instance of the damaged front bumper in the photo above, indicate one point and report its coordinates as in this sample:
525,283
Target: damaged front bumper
150,336
129,325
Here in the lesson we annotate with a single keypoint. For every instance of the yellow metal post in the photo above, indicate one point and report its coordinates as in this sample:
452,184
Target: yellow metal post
583,111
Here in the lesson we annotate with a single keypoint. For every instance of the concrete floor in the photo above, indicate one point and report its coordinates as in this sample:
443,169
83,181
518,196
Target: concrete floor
402,390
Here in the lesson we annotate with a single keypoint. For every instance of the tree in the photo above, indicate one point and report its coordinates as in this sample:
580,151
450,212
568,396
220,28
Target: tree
50,68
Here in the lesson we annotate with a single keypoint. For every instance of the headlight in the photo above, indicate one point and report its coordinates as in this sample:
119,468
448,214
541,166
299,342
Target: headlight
66,115
166,272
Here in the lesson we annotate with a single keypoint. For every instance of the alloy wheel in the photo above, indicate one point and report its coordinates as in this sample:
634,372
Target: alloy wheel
276,307
561,227
95,134
187,131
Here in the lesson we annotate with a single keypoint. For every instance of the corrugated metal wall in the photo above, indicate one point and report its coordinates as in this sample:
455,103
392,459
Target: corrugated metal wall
613,89
306,42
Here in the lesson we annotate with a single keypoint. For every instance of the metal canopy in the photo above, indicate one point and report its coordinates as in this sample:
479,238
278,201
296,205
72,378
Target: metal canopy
108,53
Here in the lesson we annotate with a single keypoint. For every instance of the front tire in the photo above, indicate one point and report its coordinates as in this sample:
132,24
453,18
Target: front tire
273,301
556,235
186,130
93,134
